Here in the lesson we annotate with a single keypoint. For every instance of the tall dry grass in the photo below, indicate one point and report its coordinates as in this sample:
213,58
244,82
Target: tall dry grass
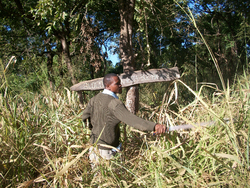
45,143
37,132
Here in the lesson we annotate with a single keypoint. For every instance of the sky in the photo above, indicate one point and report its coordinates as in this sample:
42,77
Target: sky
114,58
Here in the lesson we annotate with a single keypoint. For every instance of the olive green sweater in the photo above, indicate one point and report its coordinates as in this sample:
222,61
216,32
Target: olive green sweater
105,113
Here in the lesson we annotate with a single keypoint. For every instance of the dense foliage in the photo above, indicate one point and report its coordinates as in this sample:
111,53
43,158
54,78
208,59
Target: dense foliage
71,41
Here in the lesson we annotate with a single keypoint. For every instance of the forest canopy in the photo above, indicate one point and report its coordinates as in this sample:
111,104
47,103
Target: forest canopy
64,42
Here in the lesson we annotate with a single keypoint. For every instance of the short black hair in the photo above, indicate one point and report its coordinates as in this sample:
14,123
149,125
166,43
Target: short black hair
108,79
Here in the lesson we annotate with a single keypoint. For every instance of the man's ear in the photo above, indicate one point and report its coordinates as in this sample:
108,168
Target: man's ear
107,86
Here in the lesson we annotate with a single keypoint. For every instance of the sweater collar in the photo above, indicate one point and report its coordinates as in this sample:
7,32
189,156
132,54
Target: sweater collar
108,92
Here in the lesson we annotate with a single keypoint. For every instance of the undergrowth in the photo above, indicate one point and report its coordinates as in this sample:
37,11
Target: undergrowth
45,143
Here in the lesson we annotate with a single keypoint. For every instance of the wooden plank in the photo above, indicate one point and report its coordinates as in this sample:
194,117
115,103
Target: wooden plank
137,77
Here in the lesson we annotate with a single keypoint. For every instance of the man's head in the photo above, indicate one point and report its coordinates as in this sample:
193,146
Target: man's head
112,82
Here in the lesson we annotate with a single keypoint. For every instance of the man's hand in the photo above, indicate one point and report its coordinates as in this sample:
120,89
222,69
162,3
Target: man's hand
159,128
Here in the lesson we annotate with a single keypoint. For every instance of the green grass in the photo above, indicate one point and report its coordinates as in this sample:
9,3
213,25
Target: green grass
45,143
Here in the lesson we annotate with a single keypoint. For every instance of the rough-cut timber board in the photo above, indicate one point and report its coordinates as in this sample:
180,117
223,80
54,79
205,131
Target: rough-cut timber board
137,77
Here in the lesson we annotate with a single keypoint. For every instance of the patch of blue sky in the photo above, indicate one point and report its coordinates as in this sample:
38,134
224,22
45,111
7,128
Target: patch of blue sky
112,53
114,58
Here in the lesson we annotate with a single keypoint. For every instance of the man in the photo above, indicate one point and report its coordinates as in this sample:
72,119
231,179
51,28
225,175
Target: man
105,111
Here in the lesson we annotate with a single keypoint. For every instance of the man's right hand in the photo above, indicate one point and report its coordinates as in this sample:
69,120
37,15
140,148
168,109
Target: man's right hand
159,128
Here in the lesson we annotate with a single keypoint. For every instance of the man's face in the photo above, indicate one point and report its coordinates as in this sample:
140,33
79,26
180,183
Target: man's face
115,85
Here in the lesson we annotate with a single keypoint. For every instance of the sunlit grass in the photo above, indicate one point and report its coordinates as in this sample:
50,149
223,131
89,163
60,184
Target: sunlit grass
45,143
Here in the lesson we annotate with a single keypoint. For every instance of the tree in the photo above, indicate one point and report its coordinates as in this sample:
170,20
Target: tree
21,38
126,9
223,25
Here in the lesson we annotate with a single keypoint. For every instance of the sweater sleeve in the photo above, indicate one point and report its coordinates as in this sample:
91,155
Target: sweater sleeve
121,112
86,112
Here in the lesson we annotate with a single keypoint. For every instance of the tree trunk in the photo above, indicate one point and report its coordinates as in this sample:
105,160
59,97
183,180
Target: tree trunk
67,59
126,49
126,10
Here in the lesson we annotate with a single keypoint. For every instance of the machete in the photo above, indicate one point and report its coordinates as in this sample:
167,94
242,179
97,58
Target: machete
189,126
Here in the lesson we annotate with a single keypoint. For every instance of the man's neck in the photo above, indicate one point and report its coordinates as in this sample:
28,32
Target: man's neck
111,93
